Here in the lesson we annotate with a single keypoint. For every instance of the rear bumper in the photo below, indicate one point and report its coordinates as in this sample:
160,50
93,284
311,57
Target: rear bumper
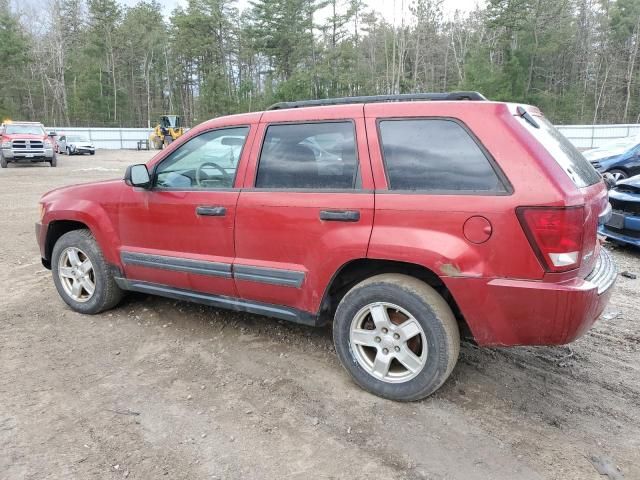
522,312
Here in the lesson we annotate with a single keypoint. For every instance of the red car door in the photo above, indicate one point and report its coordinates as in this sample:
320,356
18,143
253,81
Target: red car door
306,208
179,233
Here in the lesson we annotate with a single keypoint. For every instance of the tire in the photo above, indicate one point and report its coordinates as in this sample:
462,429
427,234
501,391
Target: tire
168,140
54,161
417,302
3,161
618,174
106,292
68,151
92,153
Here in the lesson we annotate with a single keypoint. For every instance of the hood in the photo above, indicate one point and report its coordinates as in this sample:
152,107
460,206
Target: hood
23,136
628,185
79,189
612,149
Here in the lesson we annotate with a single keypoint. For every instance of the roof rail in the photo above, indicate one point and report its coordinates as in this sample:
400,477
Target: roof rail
404,97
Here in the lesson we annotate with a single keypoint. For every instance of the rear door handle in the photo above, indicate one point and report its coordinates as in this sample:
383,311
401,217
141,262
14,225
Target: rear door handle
204,211
340,215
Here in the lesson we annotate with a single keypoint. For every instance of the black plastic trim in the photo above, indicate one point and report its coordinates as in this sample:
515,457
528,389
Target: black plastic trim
340,215
273,276
178,264
405,97
211,211
219,301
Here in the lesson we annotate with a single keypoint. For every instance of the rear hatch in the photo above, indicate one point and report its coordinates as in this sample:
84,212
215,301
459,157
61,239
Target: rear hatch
589,182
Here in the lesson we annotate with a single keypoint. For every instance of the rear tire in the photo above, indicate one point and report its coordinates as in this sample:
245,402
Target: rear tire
66,272
396,324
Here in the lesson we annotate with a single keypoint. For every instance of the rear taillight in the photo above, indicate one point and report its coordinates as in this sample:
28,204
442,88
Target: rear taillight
556,235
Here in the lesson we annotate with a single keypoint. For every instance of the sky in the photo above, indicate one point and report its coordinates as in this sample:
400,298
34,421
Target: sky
390,9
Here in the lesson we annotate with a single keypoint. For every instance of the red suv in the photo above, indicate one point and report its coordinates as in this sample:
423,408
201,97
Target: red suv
401,220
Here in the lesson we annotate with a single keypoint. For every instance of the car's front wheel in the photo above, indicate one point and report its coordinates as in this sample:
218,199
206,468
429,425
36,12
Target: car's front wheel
618,174
396,336
3,161
81,275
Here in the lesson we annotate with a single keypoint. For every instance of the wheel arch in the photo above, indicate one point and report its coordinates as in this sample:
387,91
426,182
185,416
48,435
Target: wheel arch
357,270
56,229
99,224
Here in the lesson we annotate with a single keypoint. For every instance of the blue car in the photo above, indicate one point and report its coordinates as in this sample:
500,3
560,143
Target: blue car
624,224
621,159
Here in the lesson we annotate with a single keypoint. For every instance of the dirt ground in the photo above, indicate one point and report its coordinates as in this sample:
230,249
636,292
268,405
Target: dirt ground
163,389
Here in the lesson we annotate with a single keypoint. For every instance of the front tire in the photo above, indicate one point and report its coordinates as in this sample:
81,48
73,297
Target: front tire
618,174
3,161
54,161
81,275
396,336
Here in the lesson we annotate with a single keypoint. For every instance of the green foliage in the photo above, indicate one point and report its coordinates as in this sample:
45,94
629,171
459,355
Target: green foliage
14,57
98,62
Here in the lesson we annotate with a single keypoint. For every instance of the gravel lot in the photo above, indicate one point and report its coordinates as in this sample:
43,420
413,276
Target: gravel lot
163,389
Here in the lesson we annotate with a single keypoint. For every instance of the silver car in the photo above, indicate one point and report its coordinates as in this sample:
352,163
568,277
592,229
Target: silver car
75,145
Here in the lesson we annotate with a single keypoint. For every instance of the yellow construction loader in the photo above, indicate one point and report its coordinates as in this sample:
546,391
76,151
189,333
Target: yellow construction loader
166,131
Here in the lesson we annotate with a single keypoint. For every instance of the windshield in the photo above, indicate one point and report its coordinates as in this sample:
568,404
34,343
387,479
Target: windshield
24,129
73,138
575,165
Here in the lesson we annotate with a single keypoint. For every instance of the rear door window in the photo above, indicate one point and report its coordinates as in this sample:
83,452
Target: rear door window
435,156
578,168
309,156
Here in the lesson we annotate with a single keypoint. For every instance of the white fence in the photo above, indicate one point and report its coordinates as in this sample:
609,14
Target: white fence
582,136
108,138
591,136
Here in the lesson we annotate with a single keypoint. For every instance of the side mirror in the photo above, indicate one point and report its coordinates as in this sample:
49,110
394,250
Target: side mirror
52,134
137,176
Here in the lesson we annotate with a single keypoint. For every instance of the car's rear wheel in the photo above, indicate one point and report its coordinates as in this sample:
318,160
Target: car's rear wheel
81,275
396,336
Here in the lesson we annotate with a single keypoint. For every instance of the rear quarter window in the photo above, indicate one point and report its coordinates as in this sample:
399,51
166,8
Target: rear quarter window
578,168
435,156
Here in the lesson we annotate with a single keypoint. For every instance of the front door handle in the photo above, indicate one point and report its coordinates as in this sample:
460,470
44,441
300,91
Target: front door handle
340,215
204,211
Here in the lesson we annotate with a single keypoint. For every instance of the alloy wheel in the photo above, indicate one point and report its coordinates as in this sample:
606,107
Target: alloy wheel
388,342
76,274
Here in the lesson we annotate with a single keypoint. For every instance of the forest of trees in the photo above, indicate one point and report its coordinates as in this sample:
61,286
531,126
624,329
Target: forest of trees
99,63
